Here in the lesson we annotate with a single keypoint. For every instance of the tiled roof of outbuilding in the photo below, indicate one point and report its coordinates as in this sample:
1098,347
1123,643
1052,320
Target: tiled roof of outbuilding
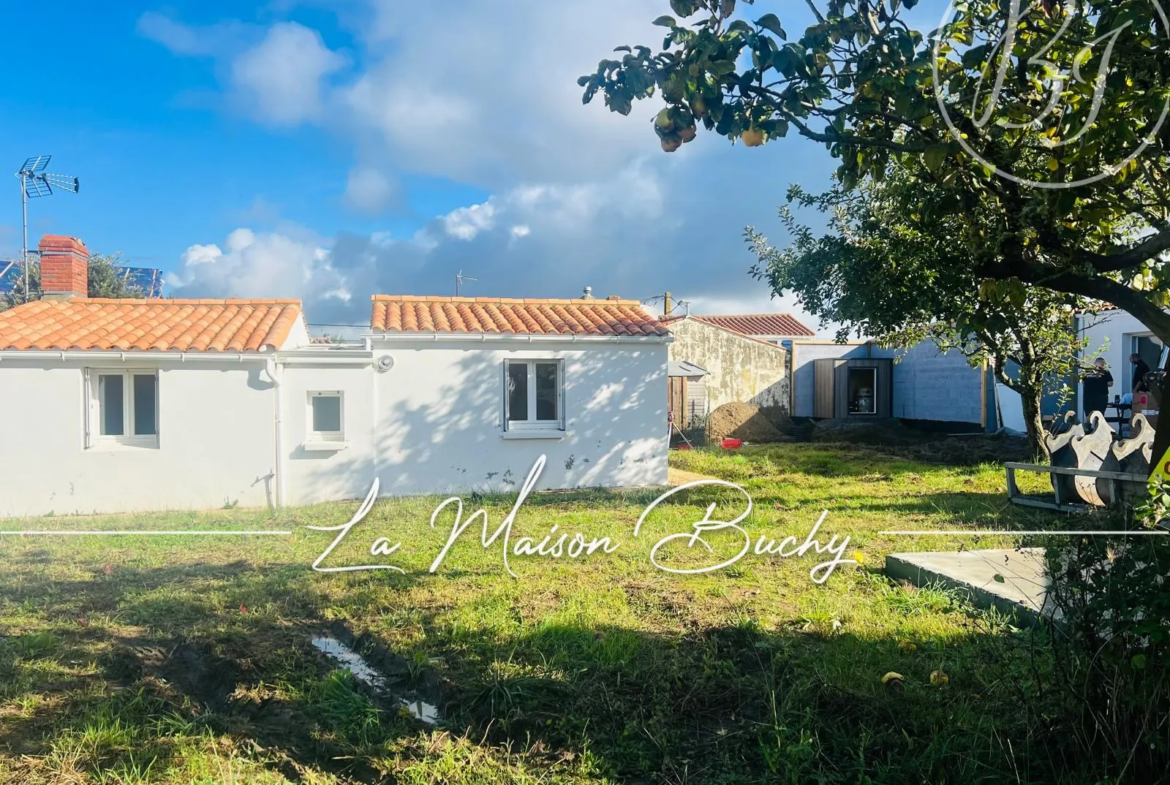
149,325
476,315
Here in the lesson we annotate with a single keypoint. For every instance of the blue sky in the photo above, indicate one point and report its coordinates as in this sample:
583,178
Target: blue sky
328,150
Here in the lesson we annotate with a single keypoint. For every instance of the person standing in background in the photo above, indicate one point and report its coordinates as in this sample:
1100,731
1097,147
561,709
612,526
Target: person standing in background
1140,369
1096,385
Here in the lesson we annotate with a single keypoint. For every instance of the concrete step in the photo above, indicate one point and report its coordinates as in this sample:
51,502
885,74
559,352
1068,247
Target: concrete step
1013,581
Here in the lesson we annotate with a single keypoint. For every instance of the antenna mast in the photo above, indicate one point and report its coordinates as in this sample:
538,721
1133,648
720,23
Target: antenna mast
35,182
459,279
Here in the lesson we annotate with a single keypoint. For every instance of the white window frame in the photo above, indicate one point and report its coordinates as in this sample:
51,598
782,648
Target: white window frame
532,425
94,438
324,440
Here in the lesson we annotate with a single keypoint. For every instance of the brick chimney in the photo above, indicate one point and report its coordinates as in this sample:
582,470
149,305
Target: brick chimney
64,268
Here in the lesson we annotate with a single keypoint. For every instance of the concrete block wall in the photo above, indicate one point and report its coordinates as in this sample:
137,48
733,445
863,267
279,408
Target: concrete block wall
927,384
932,385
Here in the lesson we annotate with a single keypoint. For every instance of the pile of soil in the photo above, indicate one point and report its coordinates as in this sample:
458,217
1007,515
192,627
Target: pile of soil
742,421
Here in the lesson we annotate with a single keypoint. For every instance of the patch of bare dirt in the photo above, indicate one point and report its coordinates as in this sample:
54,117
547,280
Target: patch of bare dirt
893,438
676,477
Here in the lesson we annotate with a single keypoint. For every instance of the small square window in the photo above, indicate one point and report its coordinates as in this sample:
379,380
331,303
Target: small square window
326,416
534,394
123,408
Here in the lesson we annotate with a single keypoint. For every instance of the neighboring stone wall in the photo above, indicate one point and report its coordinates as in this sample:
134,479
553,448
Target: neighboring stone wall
742,369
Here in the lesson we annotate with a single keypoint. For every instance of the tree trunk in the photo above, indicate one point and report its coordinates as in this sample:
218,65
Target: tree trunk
1031,397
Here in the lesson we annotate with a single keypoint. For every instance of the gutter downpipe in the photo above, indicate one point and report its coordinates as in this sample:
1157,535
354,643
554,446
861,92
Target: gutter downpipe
275,371
375,468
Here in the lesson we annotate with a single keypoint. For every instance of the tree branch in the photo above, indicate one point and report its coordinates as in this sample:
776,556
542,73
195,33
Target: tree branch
1131,257
855,141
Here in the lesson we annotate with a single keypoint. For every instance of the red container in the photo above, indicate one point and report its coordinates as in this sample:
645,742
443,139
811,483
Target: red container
683,447
732,444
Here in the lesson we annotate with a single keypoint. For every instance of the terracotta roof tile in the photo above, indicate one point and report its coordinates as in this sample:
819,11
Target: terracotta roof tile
149,325
755,324
475,315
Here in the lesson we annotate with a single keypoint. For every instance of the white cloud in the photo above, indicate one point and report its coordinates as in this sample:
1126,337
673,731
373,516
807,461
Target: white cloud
621,236
473,89
258,265
466,222
482,92
212,41
370,190
201,254
281,78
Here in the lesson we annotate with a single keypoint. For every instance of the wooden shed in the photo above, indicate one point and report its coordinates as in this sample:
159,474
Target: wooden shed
853,388
688,393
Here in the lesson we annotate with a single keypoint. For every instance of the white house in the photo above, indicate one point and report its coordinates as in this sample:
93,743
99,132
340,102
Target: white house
126,405
1115,335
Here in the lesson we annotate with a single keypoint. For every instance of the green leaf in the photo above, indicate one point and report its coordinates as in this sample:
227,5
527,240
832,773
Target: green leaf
665,21
675,88
683,8
997,578
934,156
771,23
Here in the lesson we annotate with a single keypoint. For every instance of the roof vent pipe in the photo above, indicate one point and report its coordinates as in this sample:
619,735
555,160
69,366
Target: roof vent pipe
588,293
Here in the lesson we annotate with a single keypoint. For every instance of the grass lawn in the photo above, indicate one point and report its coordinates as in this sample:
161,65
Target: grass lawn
190,659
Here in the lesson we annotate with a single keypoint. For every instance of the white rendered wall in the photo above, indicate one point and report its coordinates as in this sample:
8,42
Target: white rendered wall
440,411
215,441
430,424
1108,336
315,475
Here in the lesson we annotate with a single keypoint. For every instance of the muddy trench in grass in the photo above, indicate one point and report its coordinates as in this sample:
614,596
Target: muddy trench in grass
282,693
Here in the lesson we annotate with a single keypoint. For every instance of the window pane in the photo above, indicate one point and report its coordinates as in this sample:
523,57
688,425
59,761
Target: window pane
547,395
110,397
327,413
145,404
517,391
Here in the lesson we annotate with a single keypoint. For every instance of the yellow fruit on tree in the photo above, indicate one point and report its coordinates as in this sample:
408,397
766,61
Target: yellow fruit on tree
752,137
671,143
687,134
663,120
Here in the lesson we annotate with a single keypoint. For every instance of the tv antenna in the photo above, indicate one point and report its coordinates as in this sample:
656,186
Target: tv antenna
459,279
35,182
